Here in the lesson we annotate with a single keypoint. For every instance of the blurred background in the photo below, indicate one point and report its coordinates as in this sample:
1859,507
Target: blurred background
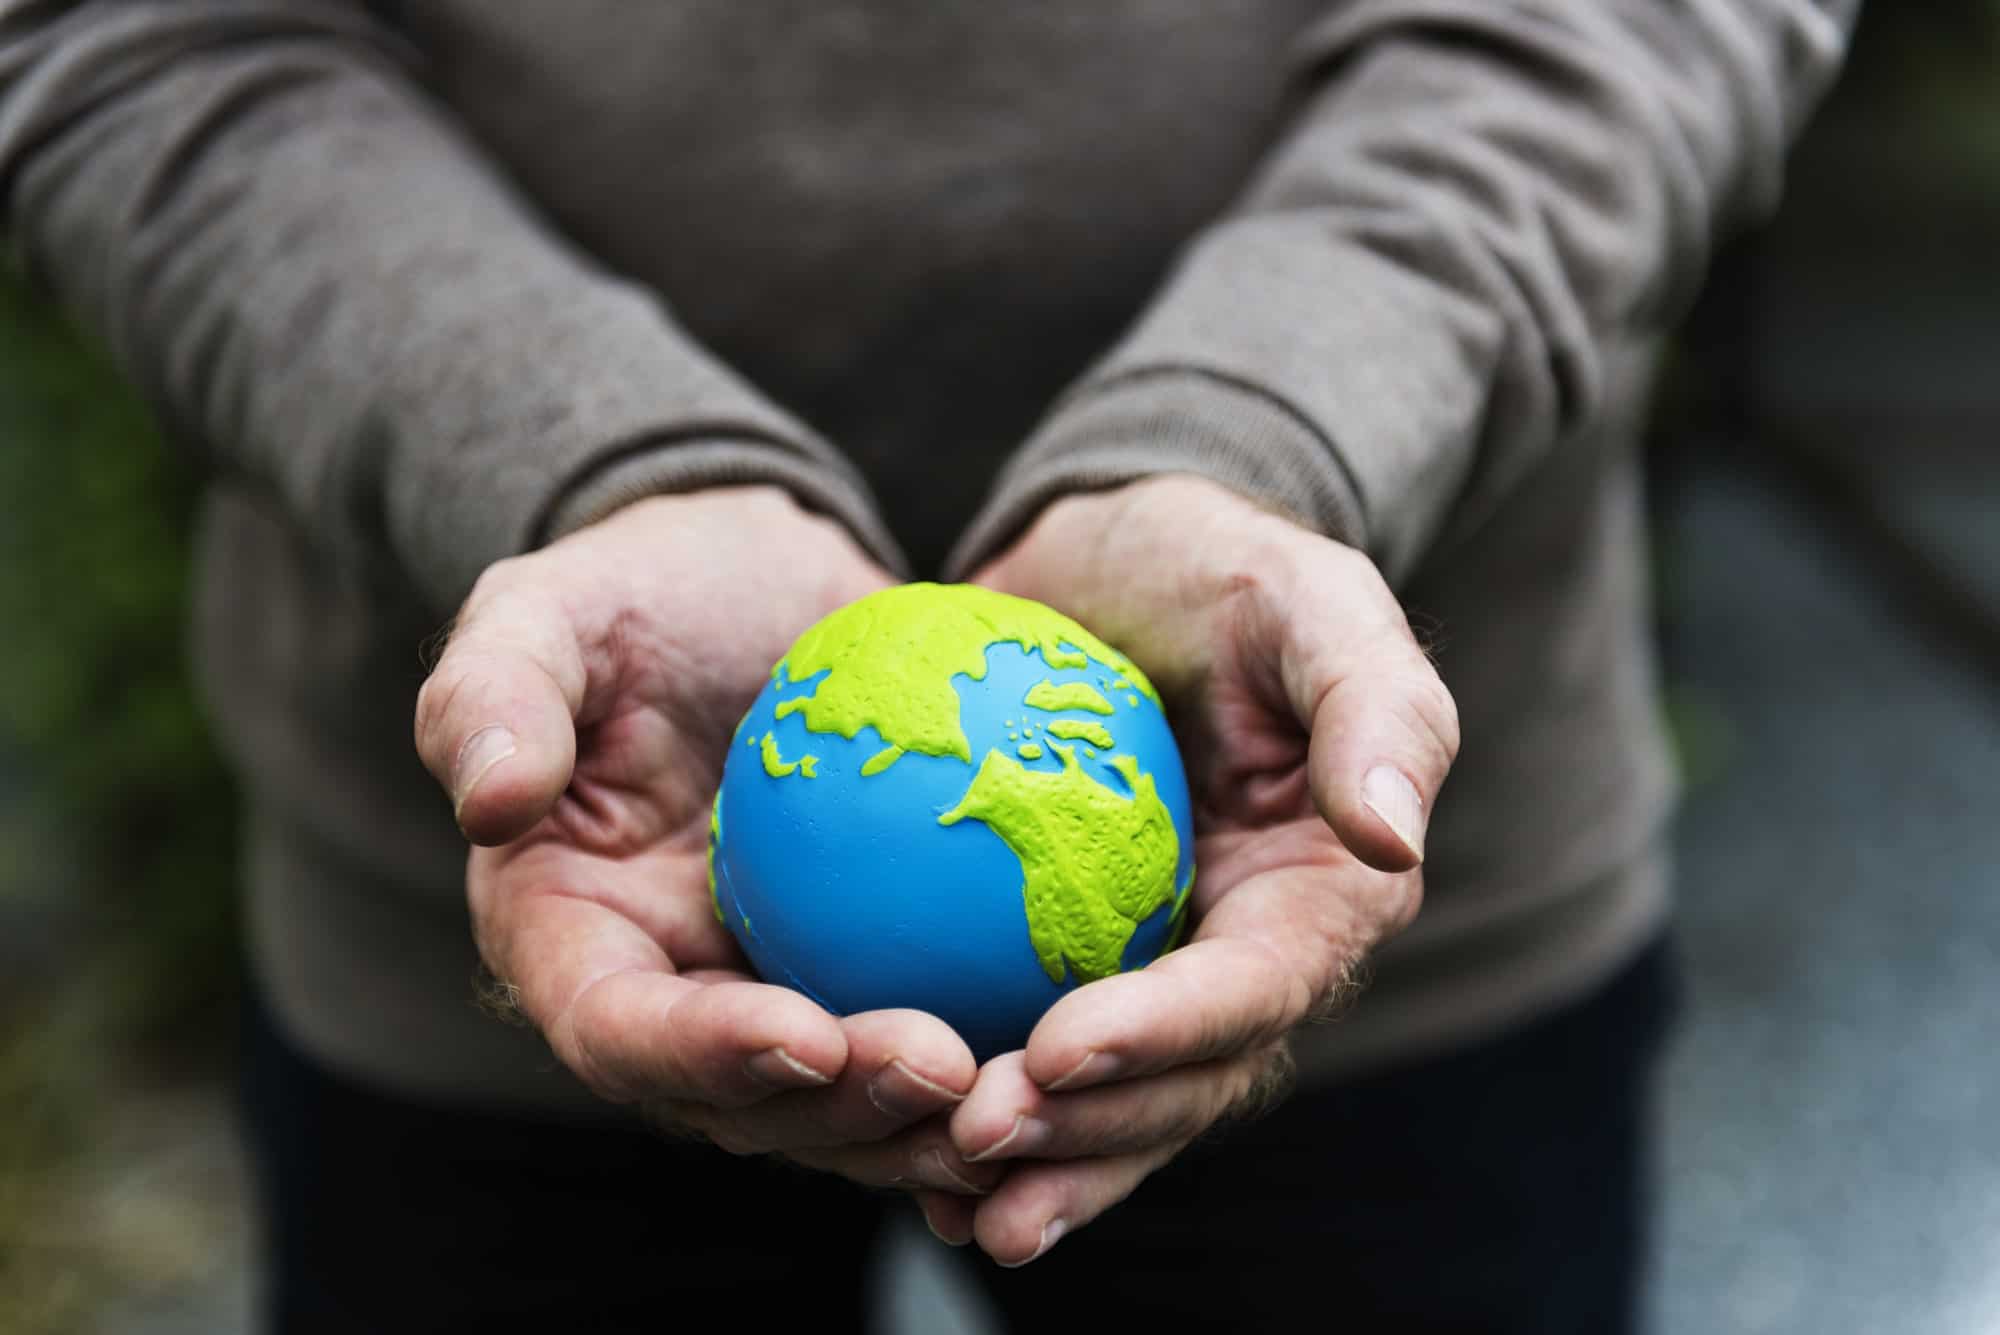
1826,488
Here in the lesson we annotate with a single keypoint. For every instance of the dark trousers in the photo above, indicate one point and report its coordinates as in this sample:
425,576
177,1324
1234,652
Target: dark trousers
1497,1189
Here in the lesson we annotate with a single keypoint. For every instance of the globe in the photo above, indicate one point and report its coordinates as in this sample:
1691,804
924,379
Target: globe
955,800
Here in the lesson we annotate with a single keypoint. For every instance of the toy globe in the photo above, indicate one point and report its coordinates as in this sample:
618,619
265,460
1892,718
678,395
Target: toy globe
955,800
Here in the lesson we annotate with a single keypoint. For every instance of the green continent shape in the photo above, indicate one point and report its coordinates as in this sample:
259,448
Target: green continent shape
1094,863
890,659
778,767
1070,730
1070,695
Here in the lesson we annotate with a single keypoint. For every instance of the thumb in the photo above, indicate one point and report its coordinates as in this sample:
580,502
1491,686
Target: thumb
1384,728
496,719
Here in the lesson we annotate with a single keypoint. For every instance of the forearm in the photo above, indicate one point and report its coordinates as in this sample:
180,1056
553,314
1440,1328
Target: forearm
315,277
1413,298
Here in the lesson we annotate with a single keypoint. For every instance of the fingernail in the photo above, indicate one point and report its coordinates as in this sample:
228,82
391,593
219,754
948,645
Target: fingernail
1027,1135
1051,1234
900,1092
936,1171
779,1069
476,755
1094,1069
939,1233
1390,795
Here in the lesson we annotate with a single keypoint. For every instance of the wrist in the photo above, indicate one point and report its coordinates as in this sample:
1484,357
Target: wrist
720,465
1170,422
1171,522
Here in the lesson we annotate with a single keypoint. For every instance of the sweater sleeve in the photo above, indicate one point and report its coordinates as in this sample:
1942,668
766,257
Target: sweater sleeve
320,283
1413,297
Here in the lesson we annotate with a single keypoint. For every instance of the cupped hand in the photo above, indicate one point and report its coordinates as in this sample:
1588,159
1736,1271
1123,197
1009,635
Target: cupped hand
579,717
1316,736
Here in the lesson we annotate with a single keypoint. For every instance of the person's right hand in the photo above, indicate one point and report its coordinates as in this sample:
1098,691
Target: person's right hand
579,718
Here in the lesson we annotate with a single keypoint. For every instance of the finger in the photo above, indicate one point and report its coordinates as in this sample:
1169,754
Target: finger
604,995
1280,946
948,1217
1214,997
921,1158
902,1066
1384,729
495,719
1008,1116
1039,1204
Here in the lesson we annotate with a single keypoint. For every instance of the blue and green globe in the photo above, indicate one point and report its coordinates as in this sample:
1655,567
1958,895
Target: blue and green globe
955,800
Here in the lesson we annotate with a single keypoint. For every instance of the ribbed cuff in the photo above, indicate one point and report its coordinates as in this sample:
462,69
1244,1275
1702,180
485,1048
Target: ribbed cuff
1144,422
663,466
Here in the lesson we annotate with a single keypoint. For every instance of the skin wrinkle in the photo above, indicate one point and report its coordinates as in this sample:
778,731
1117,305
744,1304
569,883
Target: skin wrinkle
665,924
563,890
611,814
563,1034
588,815
1247,606
930,1085
937,1157
1298,1002
615,668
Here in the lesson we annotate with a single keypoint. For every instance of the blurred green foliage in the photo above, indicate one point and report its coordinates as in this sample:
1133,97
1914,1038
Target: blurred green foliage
119,829
117,914
1926,73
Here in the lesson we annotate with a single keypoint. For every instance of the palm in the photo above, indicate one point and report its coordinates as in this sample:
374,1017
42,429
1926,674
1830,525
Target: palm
1255,822
671,664
608,672
630,832
1308,718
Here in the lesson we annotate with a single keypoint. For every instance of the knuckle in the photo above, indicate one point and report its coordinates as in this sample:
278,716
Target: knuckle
1353,565
1291,995
1188,1117
1427,712
582,1036
493,581
1325,567
434,700
1439,710
580,1054
1085,1138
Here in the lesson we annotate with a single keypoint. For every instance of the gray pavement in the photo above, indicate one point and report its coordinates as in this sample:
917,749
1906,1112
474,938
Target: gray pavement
1831,1111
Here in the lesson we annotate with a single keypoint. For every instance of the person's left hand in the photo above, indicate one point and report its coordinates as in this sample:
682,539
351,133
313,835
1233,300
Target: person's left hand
1316,735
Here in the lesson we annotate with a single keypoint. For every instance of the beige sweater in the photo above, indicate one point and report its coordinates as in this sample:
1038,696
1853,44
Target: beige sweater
423,282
